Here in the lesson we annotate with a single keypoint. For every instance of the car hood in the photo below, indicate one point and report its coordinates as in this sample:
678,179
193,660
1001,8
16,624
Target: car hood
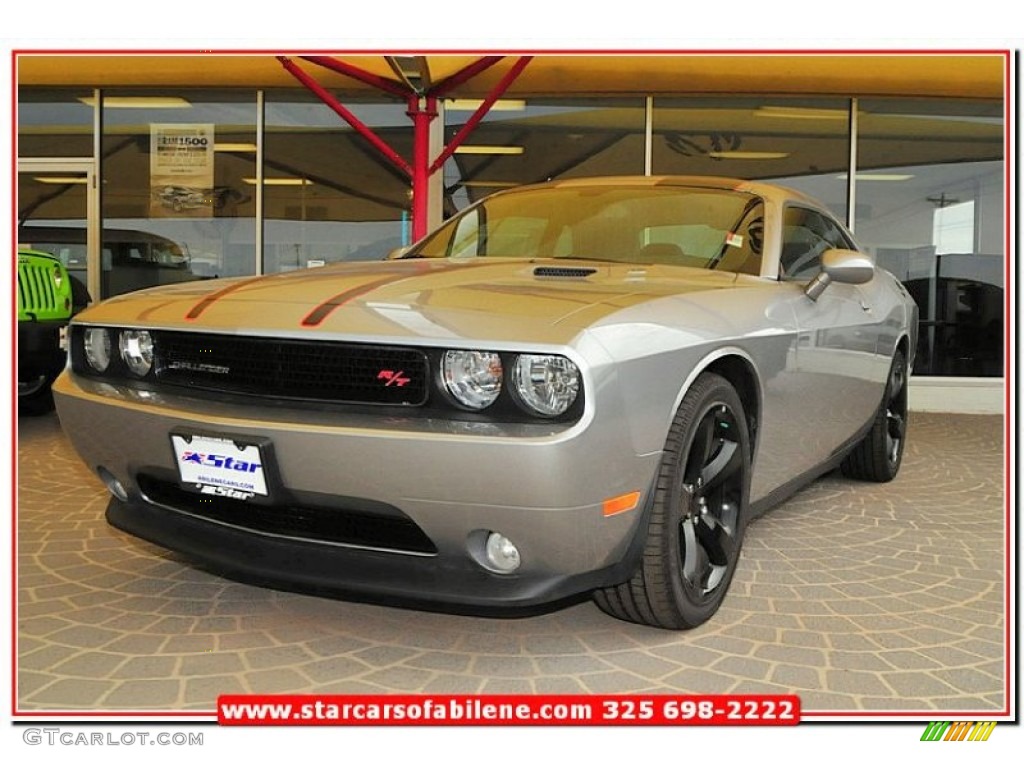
544,300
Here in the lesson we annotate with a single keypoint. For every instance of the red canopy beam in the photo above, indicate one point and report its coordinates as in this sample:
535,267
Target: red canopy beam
350,70
343,112
481,111
464,74
422,109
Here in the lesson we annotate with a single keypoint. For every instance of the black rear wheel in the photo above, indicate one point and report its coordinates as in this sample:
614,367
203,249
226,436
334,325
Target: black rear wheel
698,517
878,456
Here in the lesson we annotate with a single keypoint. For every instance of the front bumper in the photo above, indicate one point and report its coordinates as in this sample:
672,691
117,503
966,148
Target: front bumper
542,486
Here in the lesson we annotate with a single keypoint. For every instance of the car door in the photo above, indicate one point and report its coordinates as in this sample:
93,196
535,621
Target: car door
839,372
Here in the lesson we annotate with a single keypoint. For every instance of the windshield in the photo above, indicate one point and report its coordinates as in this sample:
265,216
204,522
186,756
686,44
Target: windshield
682,226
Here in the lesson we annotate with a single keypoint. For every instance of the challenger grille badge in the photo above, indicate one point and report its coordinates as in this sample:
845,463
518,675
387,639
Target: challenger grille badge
187,365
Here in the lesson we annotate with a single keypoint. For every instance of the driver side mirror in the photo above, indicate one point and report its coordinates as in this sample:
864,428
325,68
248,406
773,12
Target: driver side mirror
842,266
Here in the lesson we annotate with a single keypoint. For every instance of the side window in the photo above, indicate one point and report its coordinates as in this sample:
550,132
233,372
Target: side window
806,235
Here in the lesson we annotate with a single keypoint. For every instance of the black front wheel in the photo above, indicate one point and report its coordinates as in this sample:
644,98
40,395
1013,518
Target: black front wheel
35,397
698,516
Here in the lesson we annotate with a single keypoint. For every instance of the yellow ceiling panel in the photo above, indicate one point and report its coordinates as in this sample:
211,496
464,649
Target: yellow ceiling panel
978,75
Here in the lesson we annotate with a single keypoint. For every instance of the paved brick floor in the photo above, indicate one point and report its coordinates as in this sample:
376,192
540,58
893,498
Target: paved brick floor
855,596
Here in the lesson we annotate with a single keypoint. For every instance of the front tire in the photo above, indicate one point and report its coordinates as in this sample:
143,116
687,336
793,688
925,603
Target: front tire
35,397
698,516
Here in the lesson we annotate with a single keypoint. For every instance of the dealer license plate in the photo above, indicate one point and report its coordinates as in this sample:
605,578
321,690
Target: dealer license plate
220,466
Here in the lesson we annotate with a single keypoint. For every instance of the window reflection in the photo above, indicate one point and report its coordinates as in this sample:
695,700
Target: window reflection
541,139
328,195
801,143
930,207
175,203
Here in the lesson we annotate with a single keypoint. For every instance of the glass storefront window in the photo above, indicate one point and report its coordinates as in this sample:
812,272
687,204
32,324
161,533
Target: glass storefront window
801,143
55,122
179,172
930,207
328,195
178,200
534,140
51,202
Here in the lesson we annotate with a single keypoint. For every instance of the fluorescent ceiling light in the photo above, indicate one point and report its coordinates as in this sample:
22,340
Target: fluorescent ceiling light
741,155
280,182
139,102
230,147
802,113
60,179
471,105
878,176
487,149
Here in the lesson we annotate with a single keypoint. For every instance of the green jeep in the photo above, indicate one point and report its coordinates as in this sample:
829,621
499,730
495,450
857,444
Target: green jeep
47,298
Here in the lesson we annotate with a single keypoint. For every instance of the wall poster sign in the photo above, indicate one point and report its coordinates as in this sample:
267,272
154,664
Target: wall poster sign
181,170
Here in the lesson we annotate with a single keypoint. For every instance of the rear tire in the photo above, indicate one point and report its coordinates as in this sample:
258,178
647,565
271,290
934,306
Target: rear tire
698,516
878,456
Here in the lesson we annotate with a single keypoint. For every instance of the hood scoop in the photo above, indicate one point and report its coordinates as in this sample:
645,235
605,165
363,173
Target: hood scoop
564,272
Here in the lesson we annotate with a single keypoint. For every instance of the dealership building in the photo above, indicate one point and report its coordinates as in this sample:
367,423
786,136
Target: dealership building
143,170
307,160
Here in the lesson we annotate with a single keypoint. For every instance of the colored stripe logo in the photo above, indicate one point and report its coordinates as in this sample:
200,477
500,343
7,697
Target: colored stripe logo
944,730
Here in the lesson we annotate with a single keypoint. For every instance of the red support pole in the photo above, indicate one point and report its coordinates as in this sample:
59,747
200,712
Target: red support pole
357,125
481,111
422,111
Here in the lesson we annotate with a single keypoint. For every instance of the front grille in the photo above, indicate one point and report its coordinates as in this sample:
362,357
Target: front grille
349,526
288,368
35,288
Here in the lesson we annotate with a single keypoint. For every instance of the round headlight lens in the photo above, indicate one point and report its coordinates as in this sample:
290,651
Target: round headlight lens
137,351
473,378
97,348
547,384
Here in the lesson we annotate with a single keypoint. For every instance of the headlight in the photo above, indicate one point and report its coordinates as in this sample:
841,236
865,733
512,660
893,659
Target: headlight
137,351
547,384
97,348
473,378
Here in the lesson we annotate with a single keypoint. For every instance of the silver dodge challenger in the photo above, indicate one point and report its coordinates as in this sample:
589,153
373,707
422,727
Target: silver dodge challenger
579,387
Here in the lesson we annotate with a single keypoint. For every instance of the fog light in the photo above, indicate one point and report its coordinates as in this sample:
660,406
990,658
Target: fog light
502,554
114,486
